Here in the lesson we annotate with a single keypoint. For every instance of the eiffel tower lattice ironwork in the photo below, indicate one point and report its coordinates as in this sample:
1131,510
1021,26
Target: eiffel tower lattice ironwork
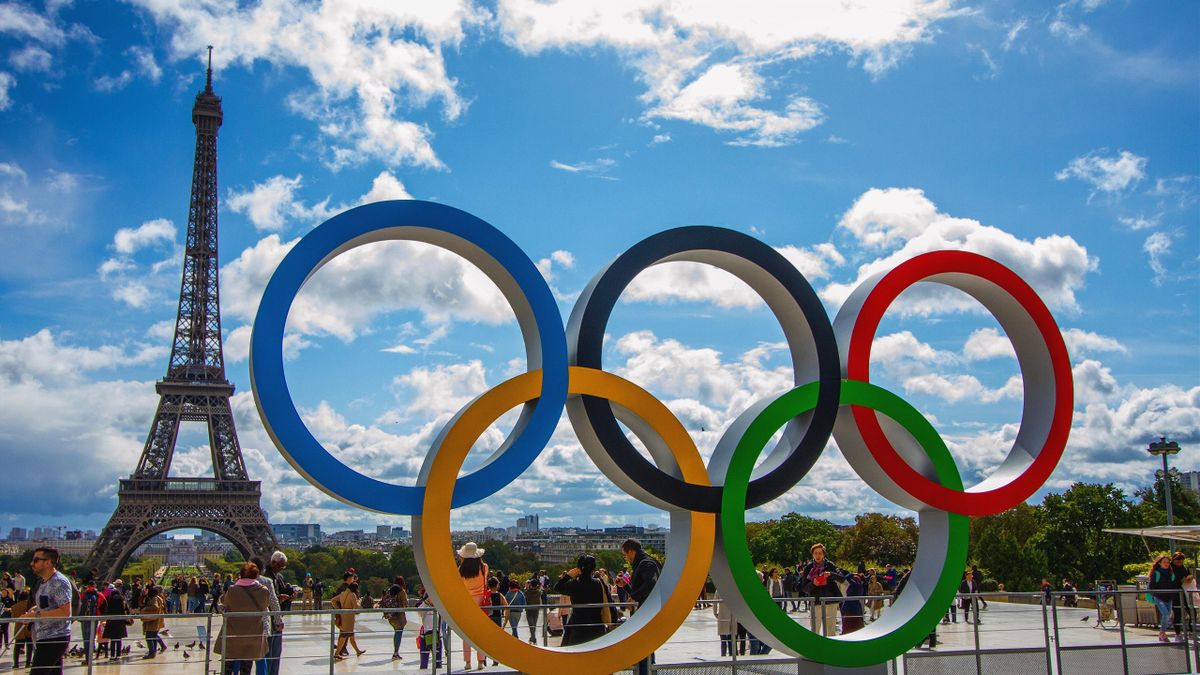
194,389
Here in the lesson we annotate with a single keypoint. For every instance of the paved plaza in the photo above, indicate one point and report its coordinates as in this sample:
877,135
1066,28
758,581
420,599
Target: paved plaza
307,642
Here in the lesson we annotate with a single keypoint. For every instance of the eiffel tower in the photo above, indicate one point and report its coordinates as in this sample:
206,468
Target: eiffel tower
194,390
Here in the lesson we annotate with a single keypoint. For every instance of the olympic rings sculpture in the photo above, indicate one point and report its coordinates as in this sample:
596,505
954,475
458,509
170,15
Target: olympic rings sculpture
888,443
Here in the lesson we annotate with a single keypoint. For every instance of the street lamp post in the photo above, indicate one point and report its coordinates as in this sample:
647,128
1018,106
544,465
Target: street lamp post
1162,447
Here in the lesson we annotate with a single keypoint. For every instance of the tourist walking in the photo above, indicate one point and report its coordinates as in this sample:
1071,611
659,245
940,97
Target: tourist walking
347,599
283,596
243,639
474,573
51,600
90,604
968,603
1179,567
153,604
516,602
432,637
115,630
875,590
7,600
1164,589
396,597
533,597
22,639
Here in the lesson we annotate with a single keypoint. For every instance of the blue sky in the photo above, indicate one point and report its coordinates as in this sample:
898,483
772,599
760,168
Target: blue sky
1061,140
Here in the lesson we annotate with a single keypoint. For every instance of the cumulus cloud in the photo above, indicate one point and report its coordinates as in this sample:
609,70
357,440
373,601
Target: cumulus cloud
129,240
383,277
368,63
708,63
906,222
272,204
1110,174
31,58
700,282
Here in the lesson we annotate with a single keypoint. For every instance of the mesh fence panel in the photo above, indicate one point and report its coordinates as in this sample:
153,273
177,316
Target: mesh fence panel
946,663
1157,659
1015,662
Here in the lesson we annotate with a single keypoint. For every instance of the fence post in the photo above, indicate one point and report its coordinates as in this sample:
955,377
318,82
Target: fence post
89,652
224,639
332,641
1057,634
1120,627
1185,620
974,603
208,641
1046,635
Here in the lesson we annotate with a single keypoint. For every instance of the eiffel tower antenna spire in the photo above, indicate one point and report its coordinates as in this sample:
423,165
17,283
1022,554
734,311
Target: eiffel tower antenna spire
194,389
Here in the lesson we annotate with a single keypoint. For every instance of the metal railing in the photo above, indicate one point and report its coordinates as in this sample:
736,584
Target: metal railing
1027,632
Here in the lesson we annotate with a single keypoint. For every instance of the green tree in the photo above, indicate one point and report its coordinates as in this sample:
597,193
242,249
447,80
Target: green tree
1009,547
499,555
402,562
879,537
1071,533
323,565
613,561
787,541
1153,507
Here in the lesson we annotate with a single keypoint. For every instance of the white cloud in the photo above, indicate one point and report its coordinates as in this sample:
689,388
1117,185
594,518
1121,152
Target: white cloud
42,358
272,204
704,62
598,168
368,62
1157,247
132,293
440,390
31,59
1111,174
17,19
660,138
1141,222
142,63
699,282
1086,342
884,218
987,343
720,99
7,82
13,170
129,240
1055,266
382,277
267,204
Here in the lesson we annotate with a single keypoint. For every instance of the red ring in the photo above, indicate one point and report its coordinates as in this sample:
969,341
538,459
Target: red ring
858,362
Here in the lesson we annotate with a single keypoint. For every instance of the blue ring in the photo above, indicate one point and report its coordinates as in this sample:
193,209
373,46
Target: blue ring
354,227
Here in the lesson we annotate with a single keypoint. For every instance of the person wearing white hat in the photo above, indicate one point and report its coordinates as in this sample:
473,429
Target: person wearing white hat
474,573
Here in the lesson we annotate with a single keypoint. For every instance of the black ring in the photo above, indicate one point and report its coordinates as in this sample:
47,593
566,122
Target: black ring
784,289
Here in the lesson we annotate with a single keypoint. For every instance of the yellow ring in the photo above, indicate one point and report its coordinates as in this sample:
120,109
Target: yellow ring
651,626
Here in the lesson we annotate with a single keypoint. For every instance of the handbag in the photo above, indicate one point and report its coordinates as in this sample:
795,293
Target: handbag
606,616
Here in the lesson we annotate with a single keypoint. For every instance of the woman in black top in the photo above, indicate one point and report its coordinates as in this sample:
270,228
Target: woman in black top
585,622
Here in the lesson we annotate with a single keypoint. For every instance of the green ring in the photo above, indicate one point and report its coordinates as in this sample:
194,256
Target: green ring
848,651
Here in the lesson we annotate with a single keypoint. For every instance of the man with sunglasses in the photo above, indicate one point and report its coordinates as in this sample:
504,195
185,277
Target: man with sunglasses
51,600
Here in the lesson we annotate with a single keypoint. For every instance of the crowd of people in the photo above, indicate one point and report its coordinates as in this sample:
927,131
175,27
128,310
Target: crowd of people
599,600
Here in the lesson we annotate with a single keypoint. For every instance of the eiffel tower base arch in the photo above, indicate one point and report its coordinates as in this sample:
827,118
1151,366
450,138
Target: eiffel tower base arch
146,508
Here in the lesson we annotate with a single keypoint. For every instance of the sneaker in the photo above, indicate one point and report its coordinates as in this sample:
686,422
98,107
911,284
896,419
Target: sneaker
480,665
395,657
1179,638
